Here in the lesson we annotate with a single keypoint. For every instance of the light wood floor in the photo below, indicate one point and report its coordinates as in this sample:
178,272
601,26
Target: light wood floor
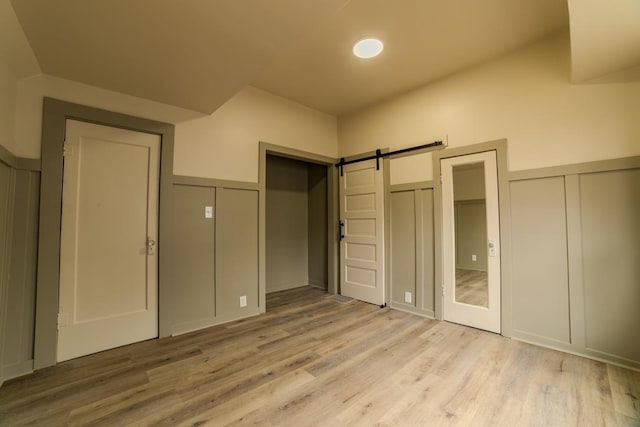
472,287
312,361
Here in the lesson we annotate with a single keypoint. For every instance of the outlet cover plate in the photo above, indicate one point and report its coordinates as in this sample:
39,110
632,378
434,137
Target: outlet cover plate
407,297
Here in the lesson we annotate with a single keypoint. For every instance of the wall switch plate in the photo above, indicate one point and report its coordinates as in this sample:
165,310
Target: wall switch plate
474,258
243,301
407,297
208,211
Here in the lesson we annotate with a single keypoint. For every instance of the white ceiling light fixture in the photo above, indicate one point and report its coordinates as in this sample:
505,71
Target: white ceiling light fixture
368,48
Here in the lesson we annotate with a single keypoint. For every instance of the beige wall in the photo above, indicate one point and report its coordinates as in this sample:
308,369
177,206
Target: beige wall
30,92
223,145
525,97
605,37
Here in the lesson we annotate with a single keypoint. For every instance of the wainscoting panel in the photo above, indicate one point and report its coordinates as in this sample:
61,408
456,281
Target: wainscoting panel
20,313
575,239
411,250
193,257
214,260
426,253
610,220
19,199
237,253
403,246
6,211
540,292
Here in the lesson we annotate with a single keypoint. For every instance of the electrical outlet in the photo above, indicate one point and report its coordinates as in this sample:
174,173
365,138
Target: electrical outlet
243,301
407,297
474,258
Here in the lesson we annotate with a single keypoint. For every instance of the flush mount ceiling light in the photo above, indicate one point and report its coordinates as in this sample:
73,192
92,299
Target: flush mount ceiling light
367,48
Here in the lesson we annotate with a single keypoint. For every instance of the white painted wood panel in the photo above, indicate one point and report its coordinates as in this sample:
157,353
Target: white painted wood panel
362,216
487,318
108,271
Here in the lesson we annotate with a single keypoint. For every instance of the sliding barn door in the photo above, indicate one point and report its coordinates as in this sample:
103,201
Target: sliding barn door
362,228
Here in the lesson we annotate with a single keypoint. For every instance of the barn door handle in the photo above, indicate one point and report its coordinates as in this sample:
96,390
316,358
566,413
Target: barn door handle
341,229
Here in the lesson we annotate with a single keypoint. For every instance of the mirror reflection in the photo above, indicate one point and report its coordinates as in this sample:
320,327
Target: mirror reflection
470,234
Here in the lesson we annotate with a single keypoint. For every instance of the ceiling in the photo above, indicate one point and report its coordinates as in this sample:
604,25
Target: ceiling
197,54
424,40
194,54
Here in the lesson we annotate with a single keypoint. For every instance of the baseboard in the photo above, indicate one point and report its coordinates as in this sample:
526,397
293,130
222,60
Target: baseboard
429,314
16,370
196,325
318,284
471,268
287,286
575,350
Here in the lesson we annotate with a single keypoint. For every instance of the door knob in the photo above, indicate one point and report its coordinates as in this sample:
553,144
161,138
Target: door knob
151,246
492,248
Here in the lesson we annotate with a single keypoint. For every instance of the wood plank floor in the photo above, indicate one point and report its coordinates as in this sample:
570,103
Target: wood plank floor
312,361
472,287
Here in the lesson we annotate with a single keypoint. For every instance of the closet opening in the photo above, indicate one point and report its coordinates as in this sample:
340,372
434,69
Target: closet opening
296,224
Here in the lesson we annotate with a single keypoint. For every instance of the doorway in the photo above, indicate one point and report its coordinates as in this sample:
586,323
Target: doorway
470,241
296,224
54,118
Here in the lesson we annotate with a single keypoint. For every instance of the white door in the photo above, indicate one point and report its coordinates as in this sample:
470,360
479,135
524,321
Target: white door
362,225
470,241
108,261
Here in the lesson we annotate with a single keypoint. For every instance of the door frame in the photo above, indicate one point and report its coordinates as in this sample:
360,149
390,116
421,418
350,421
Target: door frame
500,147
332,212
55,114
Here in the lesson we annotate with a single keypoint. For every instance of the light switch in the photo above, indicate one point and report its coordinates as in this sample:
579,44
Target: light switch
208,211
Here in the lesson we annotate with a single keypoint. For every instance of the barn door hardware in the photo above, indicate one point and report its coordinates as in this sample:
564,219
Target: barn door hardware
435,145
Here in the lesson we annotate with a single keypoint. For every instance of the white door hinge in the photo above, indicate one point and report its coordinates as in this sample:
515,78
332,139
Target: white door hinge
67,150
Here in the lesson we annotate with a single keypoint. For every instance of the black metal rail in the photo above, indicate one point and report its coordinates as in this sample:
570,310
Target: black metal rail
380,155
